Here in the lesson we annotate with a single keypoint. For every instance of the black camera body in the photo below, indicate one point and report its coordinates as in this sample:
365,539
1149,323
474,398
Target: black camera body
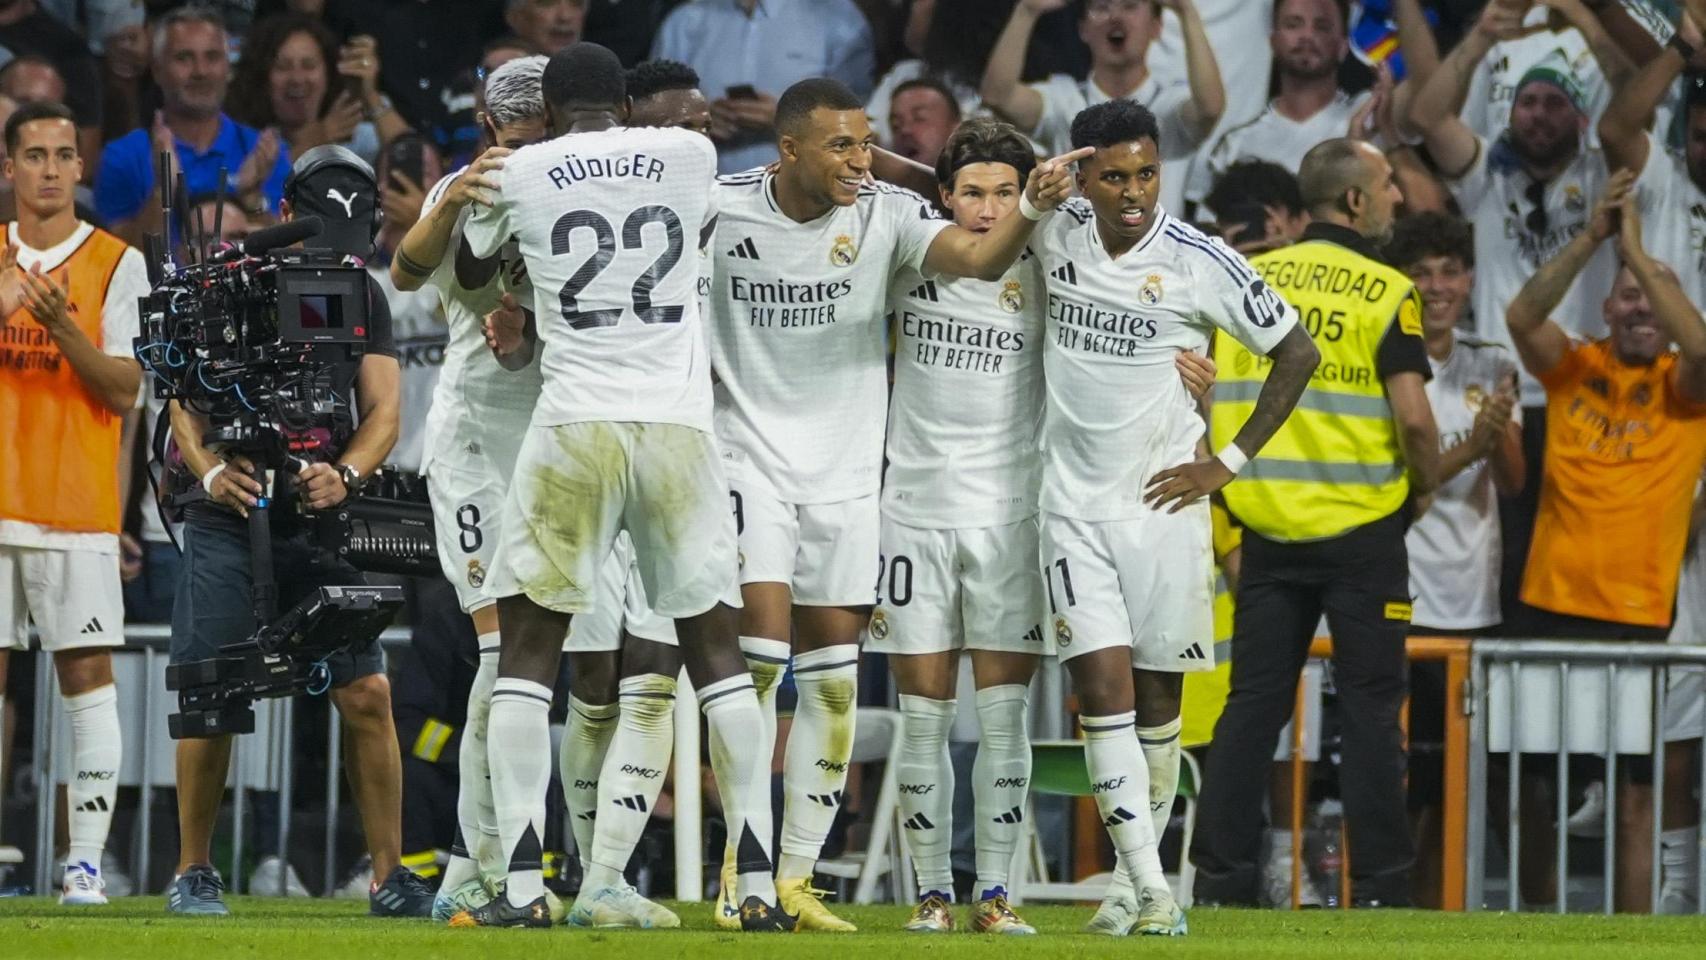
252,340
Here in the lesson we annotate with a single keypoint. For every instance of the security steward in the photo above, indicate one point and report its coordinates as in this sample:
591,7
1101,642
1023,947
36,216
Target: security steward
1324,509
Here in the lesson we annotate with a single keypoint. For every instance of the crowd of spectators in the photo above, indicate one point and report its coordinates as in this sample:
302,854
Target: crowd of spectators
1567,386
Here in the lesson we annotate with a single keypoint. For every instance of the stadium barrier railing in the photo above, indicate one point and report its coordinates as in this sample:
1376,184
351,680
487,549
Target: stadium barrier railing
1564,699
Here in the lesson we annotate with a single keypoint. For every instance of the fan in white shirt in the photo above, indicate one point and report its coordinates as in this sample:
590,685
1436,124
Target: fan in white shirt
1130,584
1120,35
1309,42
1671,185
803,260
1455,545
1528,192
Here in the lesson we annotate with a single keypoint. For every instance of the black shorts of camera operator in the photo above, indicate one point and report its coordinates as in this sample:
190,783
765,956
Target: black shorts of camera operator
214,602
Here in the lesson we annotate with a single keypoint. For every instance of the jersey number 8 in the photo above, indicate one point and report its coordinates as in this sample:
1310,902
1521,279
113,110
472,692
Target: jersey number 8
605,237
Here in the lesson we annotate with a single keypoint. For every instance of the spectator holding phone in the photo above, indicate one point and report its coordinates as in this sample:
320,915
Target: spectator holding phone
293,76
746,53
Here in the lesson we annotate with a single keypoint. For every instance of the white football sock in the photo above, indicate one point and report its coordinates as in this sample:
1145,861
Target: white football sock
1679,849
1119,779
1161,756
580,757
92,789
743,781
820,744
634,770
926,776
766,660
1001,777
476,826
519,753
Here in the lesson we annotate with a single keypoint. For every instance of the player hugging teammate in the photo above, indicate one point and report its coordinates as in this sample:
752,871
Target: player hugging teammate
580,453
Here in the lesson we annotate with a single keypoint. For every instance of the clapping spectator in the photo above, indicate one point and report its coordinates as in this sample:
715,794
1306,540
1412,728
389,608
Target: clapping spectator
746,53
1567,28
1119,34
1625,445
193,70
286,79
28,30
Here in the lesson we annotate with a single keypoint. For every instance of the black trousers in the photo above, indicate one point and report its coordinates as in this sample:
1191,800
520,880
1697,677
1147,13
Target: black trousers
1361,581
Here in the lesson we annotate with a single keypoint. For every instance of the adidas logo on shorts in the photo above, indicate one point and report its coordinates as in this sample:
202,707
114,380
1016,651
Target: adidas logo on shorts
93,626
1193,652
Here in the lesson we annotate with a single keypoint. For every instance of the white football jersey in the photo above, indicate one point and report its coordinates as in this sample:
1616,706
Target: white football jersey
1064,97
967,399
1117,410
608,223
1673,217
1455,547
797,335
476,399
1276,138
1495,196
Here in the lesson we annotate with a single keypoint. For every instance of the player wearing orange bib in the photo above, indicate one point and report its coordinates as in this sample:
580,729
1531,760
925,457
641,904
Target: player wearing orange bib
68,316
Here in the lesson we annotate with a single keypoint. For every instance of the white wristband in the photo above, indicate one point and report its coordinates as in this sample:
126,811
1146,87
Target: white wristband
1232,457
207,478
1029,210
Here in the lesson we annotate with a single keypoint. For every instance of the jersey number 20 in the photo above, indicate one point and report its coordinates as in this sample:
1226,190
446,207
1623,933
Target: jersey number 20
632,238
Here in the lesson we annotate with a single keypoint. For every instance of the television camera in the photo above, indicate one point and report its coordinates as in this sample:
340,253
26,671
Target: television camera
252,337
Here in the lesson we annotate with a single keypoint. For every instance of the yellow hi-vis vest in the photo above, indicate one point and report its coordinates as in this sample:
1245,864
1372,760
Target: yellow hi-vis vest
1336,463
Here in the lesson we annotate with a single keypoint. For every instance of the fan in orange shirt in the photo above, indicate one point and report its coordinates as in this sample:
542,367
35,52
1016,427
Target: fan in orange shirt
1625,437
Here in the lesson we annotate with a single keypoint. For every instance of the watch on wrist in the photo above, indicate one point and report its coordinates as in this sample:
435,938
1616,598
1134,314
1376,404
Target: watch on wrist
350,476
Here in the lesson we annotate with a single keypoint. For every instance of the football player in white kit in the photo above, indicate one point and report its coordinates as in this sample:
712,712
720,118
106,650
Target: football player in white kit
959,531
1125,531
619,441
803,257
479,415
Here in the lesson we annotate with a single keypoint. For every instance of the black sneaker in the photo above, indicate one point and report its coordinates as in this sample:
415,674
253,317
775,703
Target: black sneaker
498,913
403,894
198,890
756,916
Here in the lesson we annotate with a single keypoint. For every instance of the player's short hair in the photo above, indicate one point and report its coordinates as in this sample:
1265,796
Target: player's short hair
515,91
1255,181
1432,234
29,113
188,13
985,140
1329,169
932,84
660,76
795,107
585,74
1114,121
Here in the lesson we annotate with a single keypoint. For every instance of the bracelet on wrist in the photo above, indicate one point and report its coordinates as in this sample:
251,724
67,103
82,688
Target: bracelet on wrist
212,474
1232,457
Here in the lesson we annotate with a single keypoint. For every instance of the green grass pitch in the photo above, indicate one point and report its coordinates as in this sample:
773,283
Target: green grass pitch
138,928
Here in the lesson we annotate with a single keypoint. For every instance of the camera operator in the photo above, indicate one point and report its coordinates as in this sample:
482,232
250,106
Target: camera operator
214,606
68,315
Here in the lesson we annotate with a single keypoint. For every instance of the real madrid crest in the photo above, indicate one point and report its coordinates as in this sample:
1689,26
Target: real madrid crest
1012,296
1150,293
879,624
1062,632
1474,397
476,574
1573,199
844,252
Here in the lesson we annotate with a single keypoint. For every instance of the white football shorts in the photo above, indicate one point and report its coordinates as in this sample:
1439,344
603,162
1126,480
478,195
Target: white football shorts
575,485
825,552
621,607
74,595
974,589
1146,583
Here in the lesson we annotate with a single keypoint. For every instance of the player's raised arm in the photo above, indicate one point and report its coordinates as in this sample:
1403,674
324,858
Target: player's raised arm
424,246
959,252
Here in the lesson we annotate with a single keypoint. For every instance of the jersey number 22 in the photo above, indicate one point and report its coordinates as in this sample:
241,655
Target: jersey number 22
604,236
